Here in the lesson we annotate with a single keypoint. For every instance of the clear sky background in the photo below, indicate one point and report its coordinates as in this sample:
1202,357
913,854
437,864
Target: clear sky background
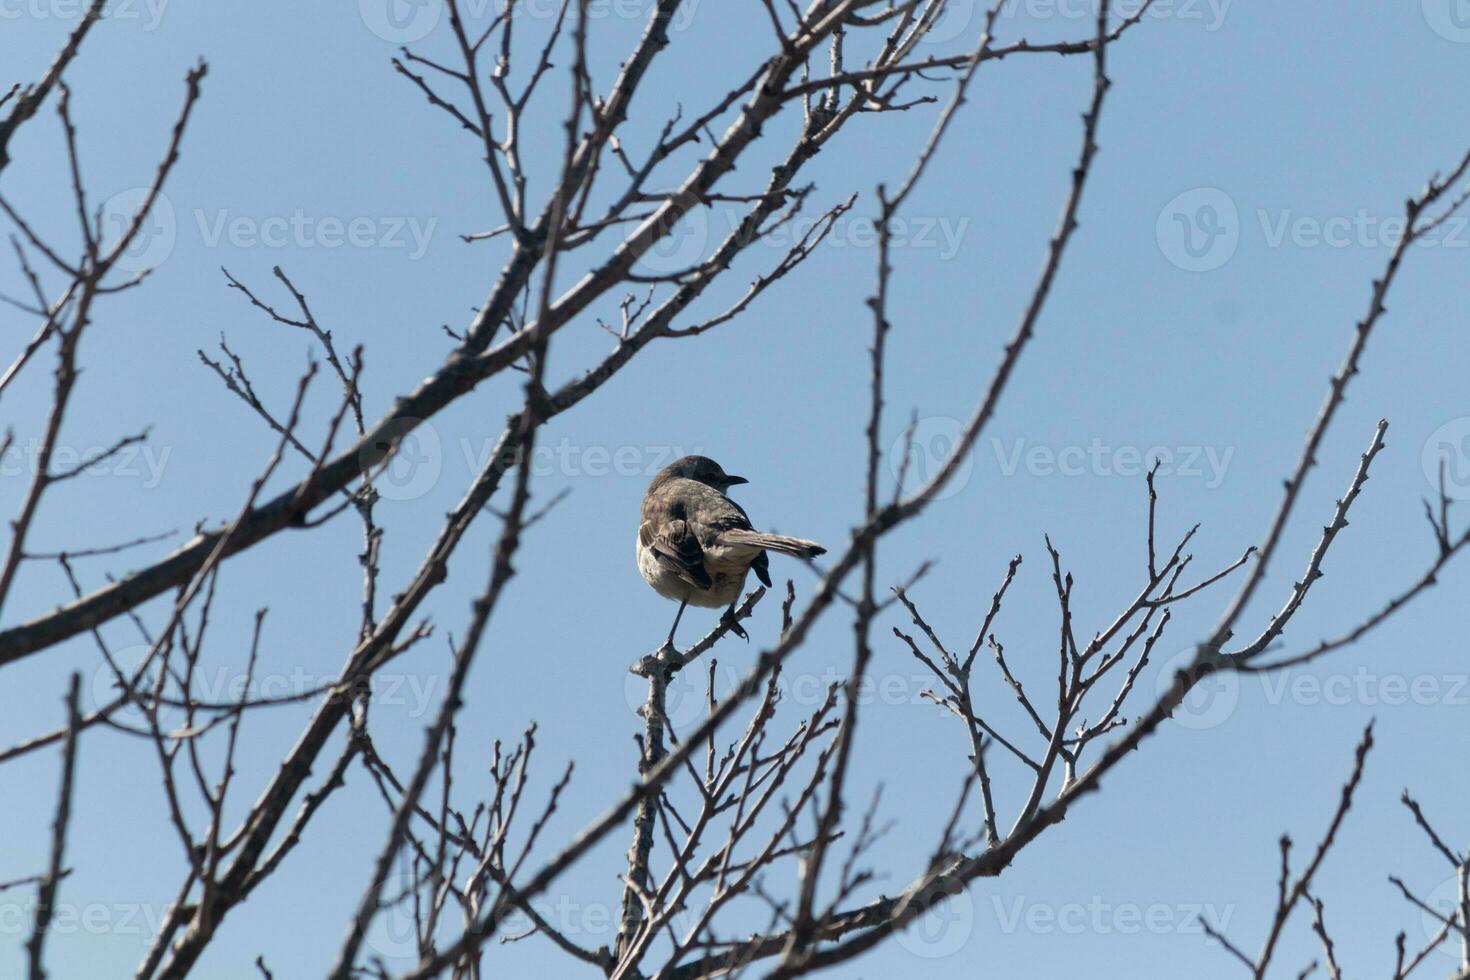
1280,136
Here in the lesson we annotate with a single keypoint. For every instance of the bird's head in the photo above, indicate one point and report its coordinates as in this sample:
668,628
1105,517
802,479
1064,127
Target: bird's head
701,469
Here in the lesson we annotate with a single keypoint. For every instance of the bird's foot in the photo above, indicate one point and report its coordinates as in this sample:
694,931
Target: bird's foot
732,624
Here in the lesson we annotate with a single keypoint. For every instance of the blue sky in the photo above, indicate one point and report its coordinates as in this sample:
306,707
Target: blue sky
1252,154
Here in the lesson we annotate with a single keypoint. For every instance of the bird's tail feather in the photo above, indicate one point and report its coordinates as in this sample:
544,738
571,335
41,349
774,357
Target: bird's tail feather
799,547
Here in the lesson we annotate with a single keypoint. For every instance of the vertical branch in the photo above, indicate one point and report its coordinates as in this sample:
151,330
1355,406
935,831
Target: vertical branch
46,891
651,754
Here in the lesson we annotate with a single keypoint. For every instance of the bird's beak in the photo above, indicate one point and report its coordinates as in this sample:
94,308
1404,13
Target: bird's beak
731,481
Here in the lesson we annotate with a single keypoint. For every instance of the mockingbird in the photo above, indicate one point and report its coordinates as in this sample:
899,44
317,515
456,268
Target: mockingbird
696,544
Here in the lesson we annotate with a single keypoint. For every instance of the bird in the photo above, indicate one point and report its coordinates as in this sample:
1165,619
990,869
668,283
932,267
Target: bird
696,545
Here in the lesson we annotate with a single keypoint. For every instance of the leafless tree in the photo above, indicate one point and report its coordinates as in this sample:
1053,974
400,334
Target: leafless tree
718,809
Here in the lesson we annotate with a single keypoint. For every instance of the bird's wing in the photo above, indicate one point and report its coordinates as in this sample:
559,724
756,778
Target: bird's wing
675,546
711,512
744,518
714,516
